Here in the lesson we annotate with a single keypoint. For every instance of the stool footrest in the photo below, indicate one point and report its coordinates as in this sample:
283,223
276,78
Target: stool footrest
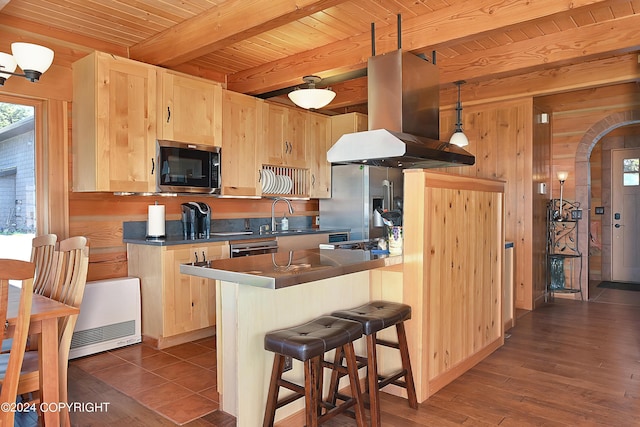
384,380
291,386
388,343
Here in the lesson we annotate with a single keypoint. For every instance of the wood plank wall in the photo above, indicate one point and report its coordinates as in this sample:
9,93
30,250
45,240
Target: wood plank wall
501,137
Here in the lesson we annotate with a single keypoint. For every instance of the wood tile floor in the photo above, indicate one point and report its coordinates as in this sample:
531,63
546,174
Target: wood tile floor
178,383
569,363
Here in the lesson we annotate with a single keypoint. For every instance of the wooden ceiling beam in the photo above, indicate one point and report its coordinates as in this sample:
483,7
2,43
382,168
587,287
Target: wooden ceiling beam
221,26
588,74
458,22
609,38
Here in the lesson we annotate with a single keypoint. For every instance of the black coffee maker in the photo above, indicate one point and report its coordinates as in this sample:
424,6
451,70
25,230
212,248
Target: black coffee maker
196,220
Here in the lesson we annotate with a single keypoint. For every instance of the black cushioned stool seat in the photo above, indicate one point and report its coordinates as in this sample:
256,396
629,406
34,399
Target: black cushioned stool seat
374,317
308,343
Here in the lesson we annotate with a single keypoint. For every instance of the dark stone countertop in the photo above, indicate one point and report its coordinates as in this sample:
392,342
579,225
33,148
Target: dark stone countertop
223,237
283,269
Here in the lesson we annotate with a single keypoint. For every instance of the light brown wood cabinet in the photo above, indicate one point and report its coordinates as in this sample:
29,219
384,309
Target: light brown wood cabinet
242,137
114,124
319,141
347,123
285,136
176,308
189,109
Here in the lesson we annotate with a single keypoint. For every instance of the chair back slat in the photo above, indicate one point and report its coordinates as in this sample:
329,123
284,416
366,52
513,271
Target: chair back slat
24,271
43,256
73,261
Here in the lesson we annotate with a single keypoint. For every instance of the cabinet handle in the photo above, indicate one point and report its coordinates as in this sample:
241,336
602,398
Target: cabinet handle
168,114
313,180
196,254
204,258
259,175
153,165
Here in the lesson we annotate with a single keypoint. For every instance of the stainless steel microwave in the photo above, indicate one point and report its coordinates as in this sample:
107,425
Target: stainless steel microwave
187,168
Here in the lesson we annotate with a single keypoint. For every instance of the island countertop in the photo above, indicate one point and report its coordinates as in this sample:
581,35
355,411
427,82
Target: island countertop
283,269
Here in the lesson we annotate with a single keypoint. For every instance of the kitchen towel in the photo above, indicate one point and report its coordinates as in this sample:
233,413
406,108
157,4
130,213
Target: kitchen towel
155,221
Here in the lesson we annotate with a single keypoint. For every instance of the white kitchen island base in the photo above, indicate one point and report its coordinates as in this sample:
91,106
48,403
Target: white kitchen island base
248,313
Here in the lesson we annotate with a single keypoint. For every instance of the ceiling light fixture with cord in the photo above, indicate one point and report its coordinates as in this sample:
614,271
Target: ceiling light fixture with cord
33,59
459,138
311,97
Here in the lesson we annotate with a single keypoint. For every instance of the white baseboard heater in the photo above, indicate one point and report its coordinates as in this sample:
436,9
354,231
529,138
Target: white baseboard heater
109,317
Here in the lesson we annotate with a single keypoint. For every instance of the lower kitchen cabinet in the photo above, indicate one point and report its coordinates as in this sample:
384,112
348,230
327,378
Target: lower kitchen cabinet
176,308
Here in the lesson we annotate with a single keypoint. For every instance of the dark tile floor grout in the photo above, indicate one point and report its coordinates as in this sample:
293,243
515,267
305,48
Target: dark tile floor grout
179,382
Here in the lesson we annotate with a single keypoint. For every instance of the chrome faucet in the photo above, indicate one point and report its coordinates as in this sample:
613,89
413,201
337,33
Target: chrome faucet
273,206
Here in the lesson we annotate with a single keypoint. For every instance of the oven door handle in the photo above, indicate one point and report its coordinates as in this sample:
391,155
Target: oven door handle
253,249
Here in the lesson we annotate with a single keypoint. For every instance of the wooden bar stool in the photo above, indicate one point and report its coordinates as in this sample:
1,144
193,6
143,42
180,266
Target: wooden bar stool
308,343
374,317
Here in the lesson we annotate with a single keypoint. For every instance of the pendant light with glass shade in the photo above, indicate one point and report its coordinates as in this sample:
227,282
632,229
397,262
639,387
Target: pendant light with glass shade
311,98
459,138
33,59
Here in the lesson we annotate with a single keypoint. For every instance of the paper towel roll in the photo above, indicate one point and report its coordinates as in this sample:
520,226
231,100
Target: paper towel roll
155,221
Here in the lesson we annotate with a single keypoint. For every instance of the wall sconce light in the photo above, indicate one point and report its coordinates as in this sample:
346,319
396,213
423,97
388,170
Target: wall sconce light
459,138
311,98
33,59
562,177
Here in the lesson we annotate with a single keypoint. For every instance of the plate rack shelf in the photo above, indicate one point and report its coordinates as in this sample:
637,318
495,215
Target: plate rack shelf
284,181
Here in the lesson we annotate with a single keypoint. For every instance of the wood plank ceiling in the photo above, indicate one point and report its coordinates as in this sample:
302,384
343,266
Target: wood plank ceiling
261,46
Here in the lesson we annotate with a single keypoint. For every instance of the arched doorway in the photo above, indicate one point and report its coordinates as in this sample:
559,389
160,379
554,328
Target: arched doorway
583,182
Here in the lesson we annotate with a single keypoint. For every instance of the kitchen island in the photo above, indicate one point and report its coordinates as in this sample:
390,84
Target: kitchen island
258,294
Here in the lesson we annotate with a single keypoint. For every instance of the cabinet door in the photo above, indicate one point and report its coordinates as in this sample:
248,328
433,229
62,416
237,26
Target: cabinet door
189,301
295,154
275,135
319,141
114,124
285,135
190,109
241,137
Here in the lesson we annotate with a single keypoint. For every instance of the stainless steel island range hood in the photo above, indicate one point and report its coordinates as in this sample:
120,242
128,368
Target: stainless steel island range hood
404,128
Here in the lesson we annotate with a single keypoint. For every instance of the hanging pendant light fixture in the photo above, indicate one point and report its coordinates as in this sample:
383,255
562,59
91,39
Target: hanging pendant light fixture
311,98
33,59
459,138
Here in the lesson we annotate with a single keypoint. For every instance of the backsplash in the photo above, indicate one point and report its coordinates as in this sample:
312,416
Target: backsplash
138,229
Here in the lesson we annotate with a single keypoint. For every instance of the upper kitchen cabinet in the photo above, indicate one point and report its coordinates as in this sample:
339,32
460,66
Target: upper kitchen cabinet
189,109
285,136
114,124
241,137
318,142
347,123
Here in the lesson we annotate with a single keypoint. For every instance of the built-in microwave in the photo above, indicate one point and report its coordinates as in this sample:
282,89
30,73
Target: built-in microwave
187,168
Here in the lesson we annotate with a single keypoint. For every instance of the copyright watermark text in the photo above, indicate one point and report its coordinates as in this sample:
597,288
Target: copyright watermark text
55,406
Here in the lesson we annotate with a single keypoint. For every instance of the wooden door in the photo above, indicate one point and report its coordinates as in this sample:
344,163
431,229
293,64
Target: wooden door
625,218
275,135
318,143
190,109
241,137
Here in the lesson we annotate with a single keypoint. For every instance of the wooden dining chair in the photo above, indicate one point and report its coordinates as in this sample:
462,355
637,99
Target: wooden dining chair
72,260
43,250
43,255
24,271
